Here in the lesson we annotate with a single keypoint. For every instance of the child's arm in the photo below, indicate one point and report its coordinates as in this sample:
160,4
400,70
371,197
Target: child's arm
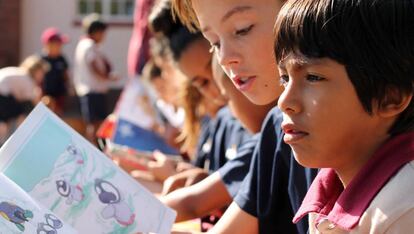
103,75
235,220
183,179
199,199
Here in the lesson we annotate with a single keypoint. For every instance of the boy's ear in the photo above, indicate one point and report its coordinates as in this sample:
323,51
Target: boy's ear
394,103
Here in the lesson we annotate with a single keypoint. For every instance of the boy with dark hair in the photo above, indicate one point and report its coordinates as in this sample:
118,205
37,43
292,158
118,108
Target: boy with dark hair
92,74
348,72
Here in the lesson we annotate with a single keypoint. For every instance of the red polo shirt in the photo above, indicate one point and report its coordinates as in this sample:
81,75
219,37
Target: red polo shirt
344,207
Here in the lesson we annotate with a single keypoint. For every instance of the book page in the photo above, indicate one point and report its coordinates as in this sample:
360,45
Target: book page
19,213
64,172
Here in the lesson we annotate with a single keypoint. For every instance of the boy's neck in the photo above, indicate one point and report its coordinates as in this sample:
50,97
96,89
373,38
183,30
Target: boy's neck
347,172
95,37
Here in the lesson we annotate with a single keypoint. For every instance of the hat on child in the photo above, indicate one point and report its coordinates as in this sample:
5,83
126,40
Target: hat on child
53,34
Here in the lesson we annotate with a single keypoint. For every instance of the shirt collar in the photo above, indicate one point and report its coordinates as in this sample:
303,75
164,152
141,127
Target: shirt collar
344,207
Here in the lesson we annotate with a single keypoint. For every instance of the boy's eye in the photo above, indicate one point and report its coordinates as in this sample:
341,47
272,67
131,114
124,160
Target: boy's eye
284,79
244,31
314,78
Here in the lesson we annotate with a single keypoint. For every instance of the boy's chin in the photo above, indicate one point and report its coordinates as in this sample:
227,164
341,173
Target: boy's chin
306,160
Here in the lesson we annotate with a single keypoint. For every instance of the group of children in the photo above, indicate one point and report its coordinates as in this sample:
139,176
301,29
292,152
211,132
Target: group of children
45,77
314,131
298,113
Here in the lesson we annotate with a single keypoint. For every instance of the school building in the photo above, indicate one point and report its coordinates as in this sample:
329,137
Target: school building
23,21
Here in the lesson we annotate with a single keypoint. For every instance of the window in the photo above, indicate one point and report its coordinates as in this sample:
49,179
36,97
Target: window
112,11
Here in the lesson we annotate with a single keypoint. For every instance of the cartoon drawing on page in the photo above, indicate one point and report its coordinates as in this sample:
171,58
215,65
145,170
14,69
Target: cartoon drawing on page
15,214
50,226
63,177
19,213
70,192
115,207
75,153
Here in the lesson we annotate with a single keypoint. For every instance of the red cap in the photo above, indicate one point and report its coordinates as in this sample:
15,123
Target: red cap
53,34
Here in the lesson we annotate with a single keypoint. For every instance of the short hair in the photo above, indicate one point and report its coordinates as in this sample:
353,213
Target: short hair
373,39
181,40
93,23
161,20
179,37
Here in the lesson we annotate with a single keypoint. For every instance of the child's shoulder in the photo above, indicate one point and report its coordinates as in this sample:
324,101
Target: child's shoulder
224,113
391,204
272,123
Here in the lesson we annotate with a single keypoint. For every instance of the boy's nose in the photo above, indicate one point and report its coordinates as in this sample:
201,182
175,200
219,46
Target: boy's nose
228,56
288,101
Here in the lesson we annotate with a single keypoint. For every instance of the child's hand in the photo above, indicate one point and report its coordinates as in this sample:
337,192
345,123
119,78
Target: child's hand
162,167
183,179
125,161
183,166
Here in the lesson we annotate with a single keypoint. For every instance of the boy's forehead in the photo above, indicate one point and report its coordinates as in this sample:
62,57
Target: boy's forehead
230,13
220,10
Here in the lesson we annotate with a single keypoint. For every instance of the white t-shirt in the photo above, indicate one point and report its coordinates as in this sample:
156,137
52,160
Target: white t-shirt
85,80
17,83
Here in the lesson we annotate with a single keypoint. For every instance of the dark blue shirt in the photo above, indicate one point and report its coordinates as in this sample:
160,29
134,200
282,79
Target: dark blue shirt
54,83
228,137
211,139
204,142
276,184
224,136
235,170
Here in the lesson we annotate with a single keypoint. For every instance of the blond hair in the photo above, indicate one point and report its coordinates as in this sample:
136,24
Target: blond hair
191,100
183,9
34,63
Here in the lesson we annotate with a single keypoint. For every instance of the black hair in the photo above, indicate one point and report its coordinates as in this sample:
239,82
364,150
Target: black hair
162,23
161,20
155,72
151,72
96,26
181,40
373,39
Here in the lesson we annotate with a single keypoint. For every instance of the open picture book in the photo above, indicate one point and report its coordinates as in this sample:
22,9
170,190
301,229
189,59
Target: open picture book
63,172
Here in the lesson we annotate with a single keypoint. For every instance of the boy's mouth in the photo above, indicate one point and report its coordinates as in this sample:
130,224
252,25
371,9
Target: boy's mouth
292,133
243,83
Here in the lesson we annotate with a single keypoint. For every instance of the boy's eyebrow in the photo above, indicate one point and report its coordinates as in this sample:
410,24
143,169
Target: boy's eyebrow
298,61
229,14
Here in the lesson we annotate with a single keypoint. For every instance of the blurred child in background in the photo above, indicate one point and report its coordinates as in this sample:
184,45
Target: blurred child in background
20,90
92,74
55,84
